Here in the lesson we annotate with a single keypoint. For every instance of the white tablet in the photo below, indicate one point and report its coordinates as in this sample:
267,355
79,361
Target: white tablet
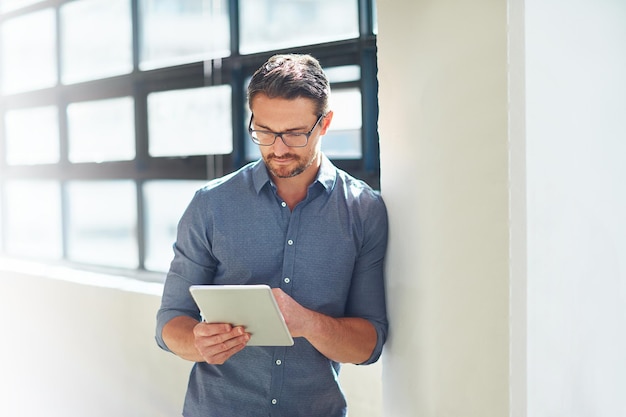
251,306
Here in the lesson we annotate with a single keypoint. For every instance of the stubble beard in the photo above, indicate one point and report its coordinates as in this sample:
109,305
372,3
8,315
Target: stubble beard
285,171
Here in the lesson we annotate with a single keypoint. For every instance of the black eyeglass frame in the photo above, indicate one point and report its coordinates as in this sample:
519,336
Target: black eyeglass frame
280,134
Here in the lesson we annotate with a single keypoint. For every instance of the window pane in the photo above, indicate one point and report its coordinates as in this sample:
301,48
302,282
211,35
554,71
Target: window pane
343,139
375,11
10,5
343,74
28,52
33,219
101,130
164,202
96,39
277,24
176,32
190,122
102,223
32,136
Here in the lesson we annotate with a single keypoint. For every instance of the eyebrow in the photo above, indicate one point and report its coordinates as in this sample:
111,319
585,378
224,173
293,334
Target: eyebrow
293,129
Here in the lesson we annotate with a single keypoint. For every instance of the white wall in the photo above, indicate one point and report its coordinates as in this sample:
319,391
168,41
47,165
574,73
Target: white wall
76,344
71,350
444,176
576,170
503,160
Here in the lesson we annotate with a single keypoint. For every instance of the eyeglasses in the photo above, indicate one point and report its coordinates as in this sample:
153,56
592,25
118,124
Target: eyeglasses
291,139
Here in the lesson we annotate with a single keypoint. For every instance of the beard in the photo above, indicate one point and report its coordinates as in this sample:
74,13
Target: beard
291,170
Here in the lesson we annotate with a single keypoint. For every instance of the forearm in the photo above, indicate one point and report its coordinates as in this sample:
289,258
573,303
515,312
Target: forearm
179,338
345,340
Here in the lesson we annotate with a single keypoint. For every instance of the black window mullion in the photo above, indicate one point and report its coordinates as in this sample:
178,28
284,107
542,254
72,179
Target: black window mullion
65,225
369,94
141,127
238,112
366,17
136,35
141,226
233,16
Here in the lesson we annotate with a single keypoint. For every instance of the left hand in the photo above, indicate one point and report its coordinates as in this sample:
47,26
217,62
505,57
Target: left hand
296,316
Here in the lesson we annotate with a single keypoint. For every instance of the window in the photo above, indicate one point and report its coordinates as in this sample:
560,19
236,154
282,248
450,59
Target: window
194,121
102,130
280,24
113,112
29,143
90,48
31,62
102,222
183,31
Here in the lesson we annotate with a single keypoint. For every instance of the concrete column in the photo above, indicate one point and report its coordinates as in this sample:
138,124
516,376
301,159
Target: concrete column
445,177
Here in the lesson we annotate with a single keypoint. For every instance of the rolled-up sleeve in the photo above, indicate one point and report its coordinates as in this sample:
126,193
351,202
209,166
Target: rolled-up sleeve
192,264
367,293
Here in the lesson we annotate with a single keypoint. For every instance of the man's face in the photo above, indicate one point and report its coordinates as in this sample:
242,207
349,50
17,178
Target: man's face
282,115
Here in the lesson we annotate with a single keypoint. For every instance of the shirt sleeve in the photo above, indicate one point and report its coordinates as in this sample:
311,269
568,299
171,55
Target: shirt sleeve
192,264
367,291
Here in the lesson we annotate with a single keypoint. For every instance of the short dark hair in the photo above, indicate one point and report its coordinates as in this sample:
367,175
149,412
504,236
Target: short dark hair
291,76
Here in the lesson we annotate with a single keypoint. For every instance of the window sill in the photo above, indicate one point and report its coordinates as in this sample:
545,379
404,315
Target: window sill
131,281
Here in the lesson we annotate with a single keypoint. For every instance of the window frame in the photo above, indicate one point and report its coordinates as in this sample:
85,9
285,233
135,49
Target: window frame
233,70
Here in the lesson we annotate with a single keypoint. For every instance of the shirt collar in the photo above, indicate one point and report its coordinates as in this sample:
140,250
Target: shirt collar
326,176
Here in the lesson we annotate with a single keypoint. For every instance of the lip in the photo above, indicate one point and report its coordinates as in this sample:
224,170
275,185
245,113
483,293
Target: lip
282,160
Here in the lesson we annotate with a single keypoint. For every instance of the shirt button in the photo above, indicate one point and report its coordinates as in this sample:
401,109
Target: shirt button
283,204
290,242
287,280
274,401
279,362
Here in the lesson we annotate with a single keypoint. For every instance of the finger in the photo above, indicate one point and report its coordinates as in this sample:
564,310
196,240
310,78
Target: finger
236,336
204,329
221,357
206,340
217,349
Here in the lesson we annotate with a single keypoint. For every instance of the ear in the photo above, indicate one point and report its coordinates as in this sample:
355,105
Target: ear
326,122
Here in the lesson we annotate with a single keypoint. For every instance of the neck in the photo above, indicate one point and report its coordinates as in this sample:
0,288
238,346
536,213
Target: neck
294,189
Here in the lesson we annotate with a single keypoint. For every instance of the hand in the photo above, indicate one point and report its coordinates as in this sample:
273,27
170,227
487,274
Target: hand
343,339
298,318
217,342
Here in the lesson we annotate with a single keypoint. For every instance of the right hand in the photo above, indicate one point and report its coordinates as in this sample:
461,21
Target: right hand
217,342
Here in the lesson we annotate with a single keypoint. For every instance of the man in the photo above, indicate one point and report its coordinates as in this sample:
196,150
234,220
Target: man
295,222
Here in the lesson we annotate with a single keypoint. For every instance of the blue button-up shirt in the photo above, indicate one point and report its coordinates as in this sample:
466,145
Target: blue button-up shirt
327,254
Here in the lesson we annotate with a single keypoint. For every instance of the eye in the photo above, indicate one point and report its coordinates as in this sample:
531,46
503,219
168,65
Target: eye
293,135
262,134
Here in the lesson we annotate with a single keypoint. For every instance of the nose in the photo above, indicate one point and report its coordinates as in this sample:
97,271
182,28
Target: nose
279,146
